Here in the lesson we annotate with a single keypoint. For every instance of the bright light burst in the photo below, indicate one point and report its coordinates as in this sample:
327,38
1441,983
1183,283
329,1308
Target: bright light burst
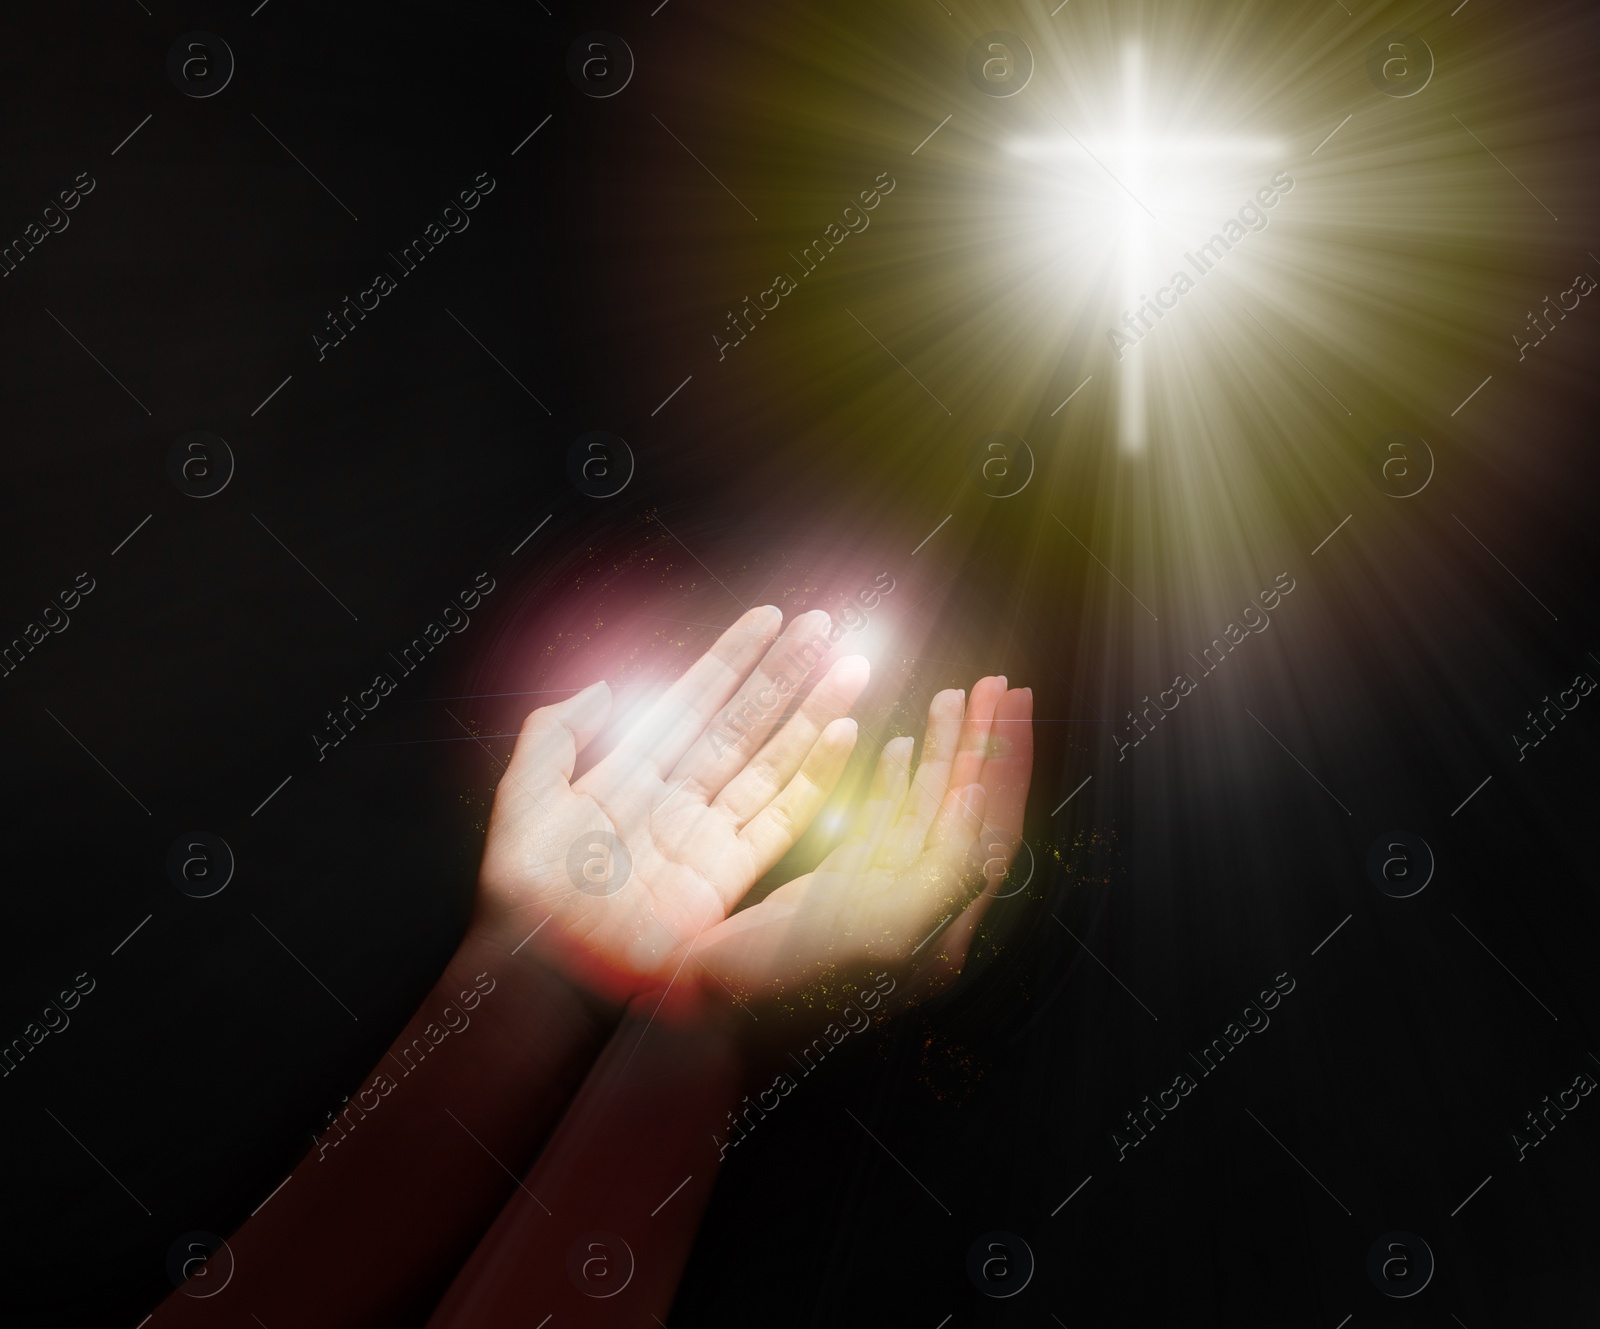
1162,191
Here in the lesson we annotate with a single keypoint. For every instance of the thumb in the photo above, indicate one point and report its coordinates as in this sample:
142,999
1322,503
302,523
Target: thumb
552,736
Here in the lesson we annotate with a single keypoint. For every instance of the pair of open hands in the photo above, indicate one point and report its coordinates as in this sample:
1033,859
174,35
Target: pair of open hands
631,874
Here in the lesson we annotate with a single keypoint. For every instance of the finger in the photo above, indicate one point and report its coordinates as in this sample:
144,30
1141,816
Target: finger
738,729
1008,769
765,775
891,779
905,840
943,870
891,782
973,745
680,716
773,831
552,736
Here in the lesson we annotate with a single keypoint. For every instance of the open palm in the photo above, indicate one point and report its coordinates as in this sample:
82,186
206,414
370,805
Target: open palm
920,850
615,873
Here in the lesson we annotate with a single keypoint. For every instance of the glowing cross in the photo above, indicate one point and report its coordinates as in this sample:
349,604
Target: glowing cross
1159,182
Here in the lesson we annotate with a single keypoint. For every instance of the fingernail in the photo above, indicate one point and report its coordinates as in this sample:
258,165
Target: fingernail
1002,680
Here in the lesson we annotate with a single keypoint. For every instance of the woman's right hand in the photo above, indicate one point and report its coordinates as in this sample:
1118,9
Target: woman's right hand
923,850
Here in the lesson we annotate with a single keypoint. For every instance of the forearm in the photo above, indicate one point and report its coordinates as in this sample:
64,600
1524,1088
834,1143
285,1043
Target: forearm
402,1182
620,1188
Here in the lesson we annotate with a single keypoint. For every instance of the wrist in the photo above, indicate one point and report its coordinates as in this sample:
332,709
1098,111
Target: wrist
531,997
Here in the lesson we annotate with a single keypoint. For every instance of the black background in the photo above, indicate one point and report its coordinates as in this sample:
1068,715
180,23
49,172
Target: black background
406,462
